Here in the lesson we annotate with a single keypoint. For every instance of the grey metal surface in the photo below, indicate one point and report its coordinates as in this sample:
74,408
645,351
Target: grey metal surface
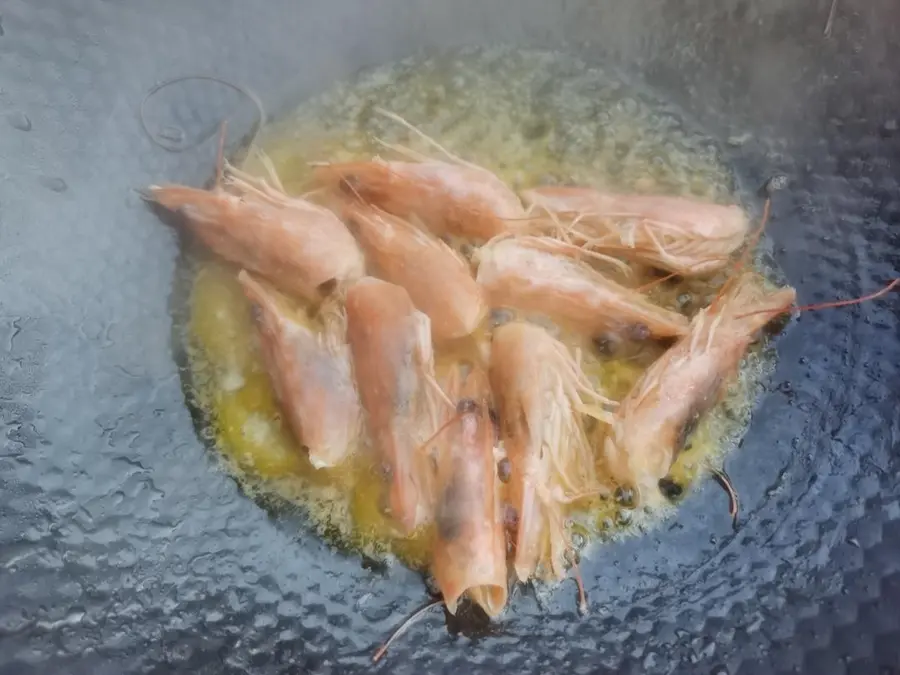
124,550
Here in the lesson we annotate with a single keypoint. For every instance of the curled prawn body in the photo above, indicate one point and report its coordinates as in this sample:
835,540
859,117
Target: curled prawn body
540,393
310,374
653,421
470,542
525,277
390,346
450,198
437,279
678,234
303,248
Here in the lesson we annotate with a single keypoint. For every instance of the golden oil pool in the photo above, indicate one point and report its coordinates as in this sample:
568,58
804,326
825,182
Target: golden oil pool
530,117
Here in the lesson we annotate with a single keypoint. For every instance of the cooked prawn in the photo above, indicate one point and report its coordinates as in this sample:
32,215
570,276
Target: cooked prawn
437,279
541,396
678,234
303,248
652,422
390,347
522,276
452,197
470,543
310,374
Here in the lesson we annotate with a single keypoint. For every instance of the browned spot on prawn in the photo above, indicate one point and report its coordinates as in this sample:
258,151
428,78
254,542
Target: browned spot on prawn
450,515
504,470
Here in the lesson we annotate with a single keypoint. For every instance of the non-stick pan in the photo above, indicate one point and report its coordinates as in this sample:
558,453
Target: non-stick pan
125,549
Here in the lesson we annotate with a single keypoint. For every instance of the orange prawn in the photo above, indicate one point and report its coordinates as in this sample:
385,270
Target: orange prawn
470,542
452,197
552,463
652,423
437,279
301,247
310,374
514,273
390,347
678,234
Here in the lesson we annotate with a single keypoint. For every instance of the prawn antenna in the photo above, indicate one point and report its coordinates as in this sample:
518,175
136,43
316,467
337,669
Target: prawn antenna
582,595
745,256
409,126
734,504
463,407
651,284
824,305
220,154
403,627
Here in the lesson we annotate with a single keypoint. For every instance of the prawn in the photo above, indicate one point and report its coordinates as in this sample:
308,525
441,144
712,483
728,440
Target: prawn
452,197
470,541
654,420
514,273
310,374
390,347
677,234
301,247
437,279
552,463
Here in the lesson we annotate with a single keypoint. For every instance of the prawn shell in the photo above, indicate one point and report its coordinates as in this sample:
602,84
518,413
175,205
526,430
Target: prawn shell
438,281
298,246
390,346
543,438
461,200
525,278
470,543
312,382
682,235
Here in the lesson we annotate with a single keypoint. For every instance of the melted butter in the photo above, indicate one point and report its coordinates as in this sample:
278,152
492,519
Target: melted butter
532,118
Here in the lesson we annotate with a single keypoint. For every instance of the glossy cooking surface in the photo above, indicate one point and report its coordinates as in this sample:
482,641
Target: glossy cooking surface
124,550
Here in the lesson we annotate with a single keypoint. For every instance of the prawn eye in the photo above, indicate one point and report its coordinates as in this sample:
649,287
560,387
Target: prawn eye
624,496
638,332
670,488
607,344
466,406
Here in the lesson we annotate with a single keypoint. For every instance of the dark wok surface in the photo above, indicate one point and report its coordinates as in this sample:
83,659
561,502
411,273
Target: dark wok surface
124,549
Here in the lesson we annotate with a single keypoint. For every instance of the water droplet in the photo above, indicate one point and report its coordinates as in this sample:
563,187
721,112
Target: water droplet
55,184
172,134
20,121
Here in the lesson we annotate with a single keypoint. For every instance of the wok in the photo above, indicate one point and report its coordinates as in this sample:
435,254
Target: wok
126,550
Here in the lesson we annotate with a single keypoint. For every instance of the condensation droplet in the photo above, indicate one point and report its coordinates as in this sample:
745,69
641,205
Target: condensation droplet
20,121
172,134
54,183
